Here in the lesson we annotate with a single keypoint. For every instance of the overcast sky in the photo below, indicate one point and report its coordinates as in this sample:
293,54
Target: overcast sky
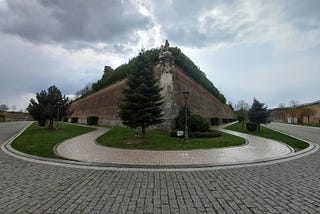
264,49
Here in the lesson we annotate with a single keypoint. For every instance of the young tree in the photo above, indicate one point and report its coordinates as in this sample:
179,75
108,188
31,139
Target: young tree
258,113
142,102
51,105
241,110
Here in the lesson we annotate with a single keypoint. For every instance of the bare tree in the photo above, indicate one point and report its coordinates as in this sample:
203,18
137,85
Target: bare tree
311,112
293,109
241,110
3,107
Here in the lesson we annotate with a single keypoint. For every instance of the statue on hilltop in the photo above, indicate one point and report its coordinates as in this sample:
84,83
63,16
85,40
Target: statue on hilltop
166,58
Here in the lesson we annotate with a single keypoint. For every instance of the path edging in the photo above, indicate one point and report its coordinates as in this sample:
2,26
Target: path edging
8,149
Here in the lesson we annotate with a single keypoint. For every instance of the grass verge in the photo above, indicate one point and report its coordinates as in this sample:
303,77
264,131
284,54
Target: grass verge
122,137
271,134
40,141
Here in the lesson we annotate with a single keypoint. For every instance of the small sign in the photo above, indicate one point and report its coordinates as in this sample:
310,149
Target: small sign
180,133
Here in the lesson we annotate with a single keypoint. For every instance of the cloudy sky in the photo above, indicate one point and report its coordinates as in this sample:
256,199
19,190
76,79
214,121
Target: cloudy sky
264,49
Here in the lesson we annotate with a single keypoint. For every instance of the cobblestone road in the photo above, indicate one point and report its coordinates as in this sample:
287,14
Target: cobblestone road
287,187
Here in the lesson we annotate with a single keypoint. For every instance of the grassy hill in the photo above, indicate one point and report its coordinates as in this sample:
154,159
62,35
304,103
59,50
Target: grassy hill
180,60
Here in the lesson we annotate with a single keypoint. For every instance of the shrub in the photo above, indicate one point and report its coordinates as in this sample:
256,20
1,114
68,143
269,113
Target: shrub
92,120
241,119
225,120
251,126
209,134
42,122
65,119
198,124
181,118
3,117
74,120
214,121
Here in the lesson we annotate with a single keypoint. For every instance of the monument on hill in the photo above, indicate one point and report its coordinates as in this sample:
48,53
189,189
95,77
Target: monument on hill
166,64
173,80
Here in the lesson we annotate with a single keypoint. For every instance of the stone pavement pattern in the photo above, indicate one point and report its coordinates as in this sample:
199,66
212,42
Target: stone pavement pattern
84,148
287,187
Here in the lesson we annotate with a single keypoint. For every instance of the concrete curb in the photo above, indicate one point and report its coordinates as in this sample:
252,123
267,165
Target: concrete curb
7,148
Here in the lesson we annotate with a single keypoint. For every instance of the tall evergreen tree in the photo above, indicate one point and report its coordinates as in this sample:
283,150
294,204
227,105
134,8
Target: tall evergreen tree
51,105
142,102
258,113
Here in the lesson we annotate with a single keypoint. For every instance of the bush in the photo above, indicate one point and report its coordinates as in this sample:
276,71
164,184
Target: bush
209,134
241,119
251,126
225,120
92,120
198,124
215,121
65,119
74,120
42,122
3,117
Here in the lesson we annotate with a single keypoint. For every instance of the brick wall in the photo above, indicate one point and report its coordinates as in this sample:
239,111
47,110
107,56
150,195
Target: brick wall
105,103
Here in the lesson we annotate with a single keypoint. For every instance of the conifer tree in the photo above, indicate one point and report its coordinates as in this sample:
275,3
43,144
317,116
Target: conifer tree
51,105
258,113
142,102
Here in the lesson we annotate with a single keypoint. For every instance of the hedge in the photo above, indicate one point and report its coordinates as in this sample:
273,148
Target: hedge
92,120
251,126
74,120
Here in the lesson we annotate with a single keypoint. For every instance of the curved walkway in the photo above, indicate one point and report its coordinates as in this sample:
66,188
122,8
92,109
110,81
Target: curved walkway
84,148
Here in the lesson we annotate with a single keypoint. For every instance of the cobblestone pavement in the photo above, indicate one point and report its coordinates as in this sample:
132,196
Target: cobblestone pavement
286,187
84,148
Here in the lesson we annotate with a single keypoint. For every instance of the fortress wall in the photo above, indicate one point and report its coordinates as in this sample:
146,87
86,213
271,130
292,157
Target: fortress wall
200,101
315,119
105,103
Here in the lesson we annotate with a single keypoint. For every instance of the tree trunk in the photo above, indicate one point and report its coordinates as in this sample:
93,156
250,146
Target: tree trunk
143,131
51,123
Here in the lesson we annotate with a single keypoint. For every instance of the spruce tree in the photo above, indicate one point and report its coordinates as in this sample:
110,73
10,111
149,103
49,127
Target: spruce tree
258,113
51,105
142,102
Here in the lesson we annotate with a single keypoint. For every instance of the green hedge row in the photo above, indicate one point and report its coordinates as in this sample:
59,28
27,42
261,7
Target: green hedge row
92,120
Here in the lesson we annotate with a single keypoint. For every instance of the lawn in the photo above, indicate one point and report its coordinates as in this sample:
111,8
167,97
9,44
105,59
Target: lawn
40,141
160,140
271,134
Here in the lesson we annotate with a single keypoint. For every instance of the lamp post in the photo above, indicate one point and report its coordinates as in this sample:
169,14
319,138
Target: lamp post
185,93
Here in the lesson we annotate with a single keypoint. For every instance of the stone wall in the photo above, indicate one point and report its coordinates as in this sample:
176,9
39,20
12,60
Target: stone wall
282,114
104,104
200,100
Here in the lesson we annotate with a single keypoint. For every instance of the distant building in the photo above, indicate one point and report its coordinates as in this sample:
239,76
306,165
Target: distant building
304,113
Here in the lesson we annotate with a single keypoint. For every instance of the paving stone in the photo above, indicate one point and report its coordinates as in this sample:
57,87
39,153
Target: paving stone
286,187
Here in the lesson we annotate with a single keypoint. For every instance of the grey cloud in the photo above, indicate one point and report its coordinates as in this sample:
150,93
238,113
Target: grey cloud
189,24
66,21
239,20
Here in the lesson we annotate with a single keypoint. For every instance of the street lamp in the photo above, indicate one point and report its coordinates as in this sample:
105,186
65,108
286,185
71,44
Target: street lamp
185,93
